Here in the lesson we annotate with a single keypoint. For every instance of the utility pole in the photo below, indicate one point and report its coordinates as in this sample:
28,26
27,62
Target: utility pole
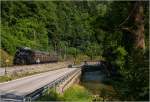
35,37
65,53
6,61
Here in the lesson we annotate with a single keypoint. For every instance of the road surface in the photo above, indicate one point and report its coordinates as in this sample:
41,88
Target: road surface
2,71
26,85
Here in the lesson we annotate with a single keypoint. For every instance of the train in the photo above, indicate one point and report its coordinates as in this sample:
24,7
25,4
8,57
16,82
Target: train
26,56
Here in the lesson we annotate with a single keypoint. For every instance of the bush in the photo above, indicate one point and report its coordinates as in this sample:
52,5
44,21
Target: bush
77,93
5,78
80,58
134,84
51,95
120,53
5,56
74,93
116,56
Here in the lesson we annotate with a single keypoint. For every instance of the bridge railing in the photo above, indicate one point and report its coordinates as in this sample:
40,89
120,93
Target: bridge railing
8,97
91,63
53,84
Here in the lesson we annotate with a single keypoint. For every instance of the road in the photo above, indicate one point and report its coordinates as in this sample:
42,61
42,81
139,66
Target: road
2,71
26,85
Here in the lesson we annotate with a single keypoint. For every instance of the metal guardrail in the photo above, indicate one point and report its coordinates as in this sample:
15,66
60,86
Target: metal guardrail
73,75
54,83
4,97
12,98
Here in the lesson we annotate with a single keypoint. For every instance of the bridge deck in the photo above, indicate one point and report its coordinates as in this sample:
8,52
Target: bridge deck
27,85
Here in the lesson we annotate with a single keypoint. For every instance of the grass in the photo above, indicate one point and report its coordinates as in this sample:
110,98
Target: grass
5,78
77,93
74,93
50,95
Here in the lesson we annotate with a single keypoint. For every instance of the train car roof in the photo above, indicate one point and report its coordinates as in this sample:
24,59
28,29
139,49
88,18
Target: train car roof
41,52
33,50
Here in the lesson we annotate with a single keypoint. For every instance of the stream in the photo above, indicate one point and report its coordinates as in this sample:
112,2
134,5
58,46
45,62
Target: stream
98,84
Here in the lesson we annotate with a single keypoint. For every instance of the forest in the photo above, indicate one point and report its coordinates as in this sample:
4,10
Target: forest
114,31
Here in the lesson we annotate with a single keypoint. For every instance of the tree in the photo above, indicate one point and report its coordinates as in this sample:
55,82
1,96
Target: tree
137,29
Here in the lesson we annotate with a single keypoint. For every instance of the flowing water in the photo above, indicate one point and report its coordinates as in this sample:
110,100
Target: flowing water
98,84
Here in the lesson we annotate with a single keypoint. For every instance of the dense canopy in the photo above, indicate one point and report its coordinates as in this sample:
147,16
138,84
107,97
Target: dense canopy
114,31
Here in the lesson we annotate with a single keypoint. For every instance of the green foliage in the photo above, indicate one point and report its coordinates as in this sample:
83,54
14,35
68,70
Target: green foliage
82,57
132,86
82,29
93,50
77,93
116,56
63,27
119,51
73,51
4,57
120,54
74,93
50,95
5,78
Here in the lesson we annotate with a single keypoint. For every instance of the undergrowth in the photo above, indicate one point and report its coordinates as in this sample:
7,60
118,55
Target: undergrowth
74,93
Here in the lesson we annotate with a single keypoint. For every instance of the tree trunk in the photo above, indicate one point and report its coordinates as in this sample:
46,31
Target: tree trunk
138,20
137,29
